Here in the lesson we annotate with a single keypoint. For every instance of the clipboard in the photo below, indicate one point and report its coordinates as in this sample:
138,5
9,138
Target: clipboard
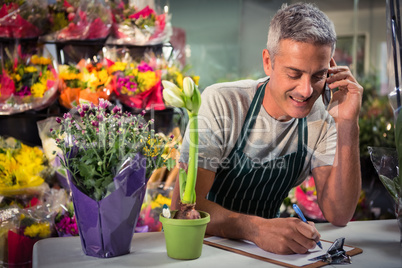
351,252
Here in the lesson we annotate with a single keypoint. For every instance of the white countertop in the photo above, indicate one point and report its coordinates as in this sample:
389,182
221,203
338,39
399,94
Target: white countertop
380,241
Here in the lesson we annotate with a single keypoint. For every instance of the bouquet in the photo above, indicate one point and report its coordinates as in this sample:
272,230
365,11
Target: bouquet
23,19
138,85
27,81
86,82
79,20
23,170
65,222
306,198
156,198
140,27
25,228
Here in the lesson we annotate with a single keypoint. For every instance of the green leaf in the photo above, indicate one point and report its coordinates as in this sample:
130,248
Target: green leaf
182,181
170,163
390,185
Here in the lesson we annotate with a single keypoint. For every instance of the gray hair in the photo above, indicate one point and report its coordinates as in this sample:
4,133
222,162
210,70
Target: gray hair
301,22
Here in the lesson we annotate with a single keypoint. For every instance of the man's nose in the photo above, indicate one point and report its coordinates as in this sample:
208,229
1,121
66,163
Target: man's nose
305,89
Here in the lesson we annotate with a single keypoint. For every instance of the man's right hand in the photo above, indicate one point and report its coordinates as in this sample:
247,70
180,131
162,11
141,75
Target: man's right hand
285,235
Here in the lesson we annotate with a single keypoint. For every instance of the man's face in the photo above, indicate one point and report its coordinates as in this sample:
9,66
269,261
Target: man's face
297,79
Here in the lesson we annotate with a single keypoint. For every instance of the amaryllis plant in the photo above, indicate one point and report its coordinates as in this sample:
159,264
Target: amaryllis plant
189,97
97,142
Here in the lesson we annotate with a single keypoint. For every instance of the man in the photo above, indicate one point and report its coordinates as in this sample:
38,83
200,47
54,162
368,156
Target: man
259,139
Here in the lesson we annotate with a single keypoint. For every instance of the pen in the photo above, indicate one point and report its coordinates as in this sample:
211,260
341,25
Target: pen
301,216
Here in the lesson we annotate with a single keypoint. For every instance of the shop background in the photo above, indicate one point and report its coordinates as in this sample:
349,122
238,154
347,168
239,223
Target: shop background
225,38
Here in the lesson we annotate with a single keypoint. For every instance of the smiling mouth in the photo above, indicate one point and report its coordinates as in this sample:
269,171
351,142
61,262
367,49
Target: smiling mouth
299,100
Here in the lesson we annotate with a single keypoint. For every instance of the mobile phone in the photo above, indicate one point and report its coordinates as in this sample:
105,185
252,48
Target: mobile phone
326,94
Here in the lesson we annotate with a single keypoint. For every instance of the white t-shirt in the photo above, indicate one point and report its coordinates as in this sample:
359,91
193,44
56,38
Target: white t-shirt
222,114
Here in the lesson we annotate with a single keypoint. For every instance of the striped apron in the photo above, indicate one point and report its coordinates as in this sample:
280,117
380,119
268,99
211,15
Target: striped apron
244,186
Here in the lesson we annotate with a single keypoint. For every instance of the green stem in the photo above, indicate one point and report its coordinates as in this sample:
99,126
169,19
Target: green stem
189,192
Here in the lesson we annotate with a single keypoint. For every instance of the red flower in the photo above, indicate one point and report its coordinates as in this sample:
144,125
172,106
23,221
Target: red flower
145,12
7,87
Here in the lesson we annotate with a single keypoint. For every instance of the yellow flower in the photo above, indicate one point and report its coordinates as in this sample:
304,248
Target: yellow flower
117,66
179,79
104,78
196,79
41,230
146,80
35,59
38,89
70,76
160,201
30,69
16,77
20,168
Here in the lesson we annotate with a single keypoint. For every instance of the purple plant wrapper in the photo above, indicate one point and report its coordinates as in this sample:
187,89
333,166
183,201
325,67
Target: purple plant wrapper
64,182
106,227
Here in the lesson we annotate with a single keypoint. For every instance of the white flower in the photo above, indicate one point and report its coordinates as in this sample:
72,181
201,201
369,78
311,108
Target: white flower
172,94
166,213
188,86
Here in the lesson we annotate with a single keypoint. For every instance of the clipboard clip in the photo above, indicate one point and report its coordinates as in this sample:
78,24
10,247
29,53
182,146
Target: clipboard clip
335,254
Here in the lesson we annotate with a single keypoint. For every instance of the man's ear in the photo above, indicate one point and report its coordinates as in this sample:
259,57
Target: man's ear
266,60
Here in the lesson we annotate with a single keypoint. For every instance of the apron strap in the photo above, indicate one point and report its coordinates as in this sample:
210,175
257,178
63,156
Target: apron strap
252,113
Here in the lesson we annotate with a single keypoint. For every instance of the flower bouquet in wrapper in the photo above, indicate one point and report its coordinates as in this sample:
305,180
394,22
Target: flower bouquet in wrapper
65,222
23,19
138,27
86,82
109,156
306,198
27,80
21,229
23,170
137,85
156,198
79,20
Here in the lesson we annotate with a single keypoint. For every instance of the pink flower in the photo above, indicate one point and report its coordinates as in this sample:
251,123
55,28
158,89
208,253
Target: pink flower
145,12
144,67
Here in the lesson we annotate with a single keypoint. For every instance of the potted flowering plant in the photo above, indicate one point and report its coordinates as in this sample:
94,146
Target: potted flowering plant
183,242
109,156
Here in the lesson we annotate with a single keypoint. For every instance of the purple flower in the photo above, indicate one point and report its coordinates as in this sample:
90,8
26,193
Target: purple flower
99,117
58,120
24,91
127,82
116,109
104,104
82,113
67,116
171,136
143,112
85,107
95,123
